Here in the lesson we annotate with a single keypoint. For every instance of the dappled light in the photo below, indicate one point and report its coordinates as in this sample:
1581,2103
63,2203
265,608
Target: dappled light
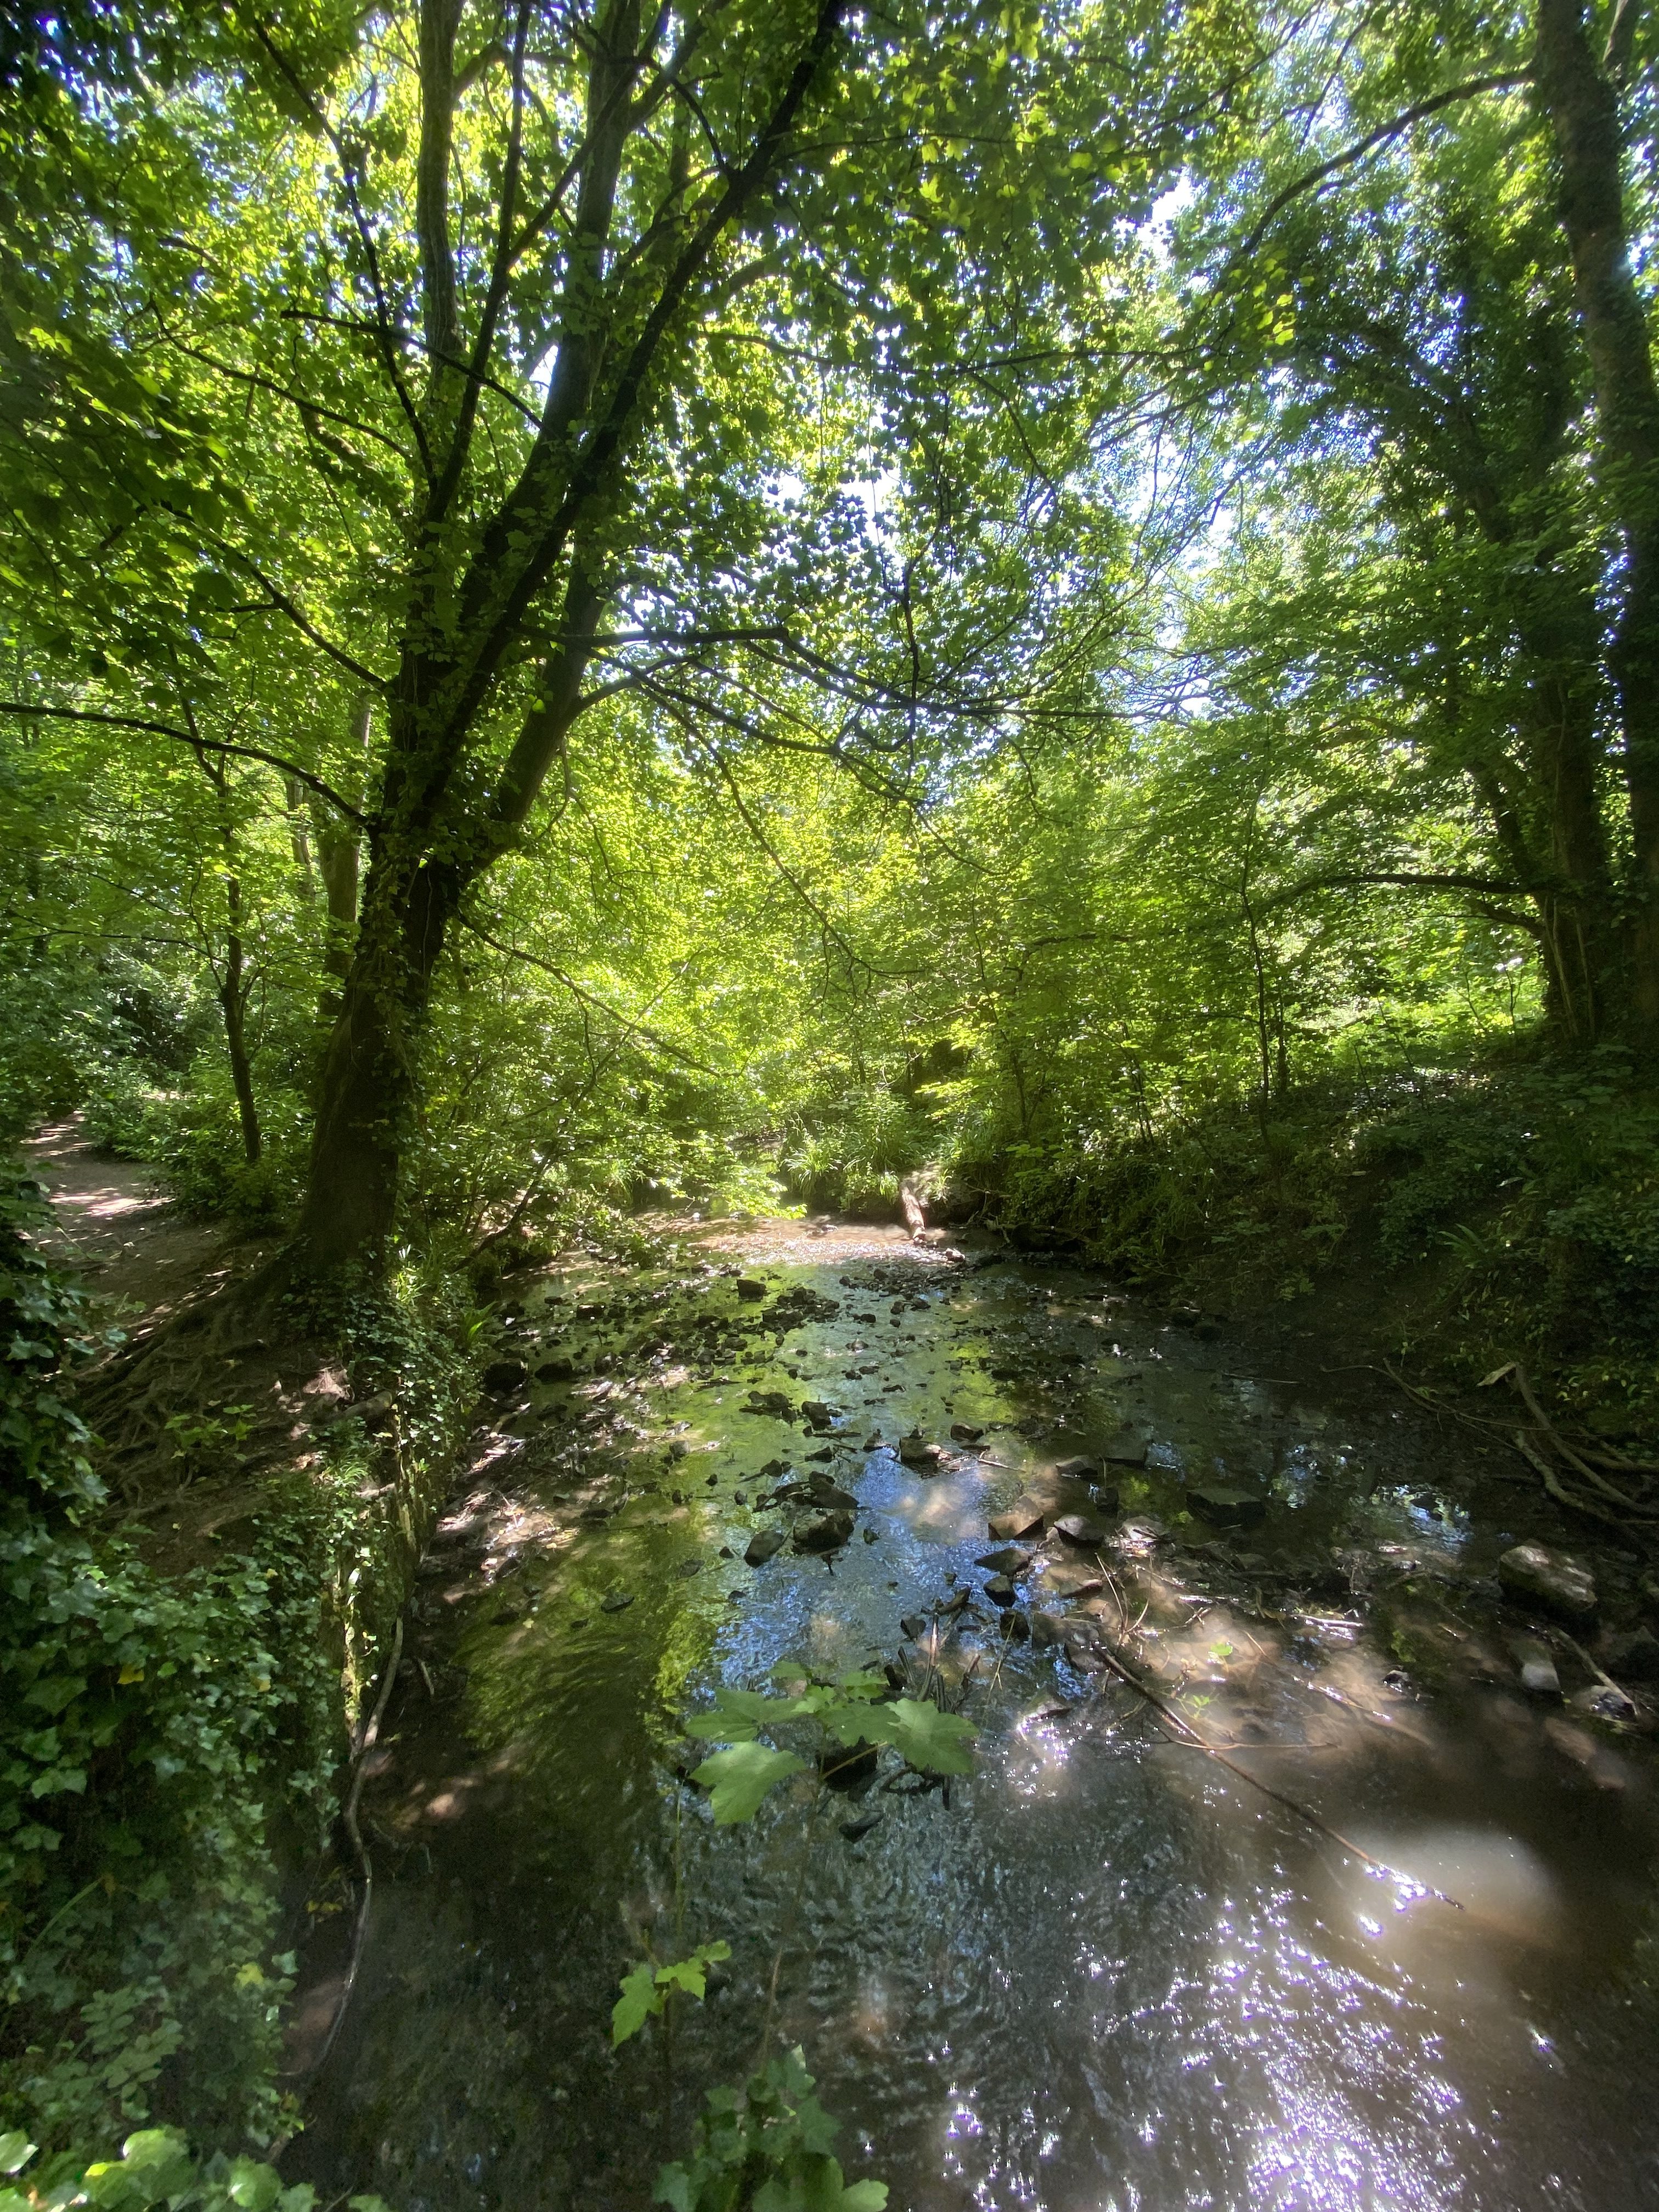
830,1059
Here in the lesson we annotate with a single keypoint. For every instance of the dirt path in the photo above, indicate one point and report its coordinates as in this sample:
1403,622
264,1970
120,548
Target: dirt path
114,1224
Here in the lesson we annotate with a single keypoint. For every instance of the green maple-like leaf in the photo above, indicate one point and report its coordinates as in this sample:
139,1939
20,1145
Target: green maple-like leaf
935,1742
640,1999
739,1778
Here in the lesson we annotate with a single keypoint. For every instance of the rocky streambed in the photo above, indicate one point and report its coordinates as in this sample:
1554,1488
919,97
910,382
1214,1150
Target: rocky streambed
1308,1857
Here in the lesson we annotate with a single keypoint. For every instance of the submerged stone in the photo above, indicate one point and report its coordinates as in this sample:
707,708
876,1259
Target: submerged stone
1538,1576
1022,1518
1124,1451
822,1532
1079,1529
1537,1666
1225,1505
1010,1559
762,1544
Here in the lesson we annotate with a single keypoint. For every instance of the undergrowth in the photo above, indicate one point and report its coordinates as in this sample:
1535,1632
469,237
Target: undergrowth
1514,1205
168,1741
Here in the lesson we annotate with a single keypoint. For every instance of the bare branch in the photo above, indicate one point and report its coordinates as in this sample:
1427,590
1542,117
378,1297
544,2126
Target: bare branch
1501,81
304,775
588,998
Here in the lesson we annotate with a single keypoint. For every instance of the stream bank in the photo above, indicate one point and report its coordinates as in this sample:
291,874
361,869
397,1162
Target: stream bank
197,1598
1104,1969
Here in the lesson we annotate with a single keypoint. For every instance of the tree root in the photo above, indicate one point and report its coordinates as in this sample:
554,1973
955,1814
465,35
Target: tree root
1534,1445
364,1864
212,1353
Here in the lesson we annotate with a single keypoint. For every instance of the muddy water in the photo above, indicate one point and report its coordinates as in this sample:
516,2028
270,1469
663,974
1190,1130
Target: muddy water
1109,1972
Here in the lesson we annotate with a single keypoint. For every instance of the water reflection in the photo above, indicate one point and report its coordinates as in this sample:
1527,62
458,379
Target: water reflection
1112,1973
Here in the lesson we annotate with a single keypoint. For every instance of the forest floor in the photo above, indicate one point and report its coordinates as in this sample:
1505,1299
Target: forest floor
114,1224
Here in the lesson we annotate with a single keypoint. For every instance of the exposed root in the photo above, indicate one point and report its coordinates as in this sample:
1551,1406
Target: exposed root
209,1391
1632,1516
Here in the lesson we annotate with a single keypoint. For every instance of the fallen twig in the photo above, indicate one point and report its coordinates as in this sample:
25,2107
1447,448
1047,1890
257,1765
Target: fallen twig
1177,1719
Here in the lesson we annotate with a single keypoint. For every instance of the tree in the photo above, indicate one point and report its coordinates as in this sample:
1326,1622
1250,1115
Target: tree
535,317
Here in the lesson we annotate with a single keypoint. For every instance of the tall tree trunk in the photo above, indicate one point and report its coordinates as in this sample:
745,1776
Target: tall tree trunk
1582,102
1574,894
232,1004
367,1093
469,594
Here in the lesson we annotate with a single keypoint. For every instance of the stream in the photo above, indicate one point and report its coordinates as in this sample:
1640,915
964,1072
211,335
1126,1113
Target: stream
1105,1971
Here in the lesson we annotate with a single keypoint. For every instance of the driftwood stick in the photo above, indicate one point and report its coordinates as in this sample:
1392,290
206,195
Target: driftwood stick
1291,1804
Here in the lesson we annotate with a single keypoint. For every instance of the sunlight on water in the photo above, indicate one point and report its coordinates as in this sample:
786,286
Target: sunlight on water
1111,1975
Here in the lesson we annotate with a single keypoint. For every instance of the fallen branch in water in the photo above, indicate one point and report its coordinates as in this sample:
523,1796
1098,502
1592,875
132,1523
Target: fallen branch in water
1177,1719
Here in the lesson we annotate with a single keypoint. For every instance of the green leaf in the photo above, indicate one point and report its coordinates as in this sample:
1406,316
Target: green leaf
737,1714
934,1743
16,2151
691,1974
673,2188
640,1999
739,1778
864,2197
254,2187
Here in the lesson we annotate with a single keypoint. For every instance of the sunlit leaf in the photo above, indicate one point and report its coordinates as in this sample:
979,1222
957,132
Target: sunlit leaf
738,1779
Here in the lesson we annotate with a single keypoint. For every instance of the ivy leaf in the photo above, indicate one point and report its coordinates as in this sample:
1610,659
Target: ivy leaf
673,2188
739,1778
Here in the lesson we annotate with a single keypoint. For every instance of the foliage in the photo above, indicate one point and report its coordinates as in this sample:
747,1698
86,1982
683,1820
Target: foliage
766,2147
853,1710
155,2168
647,1988
44,1446
157,1731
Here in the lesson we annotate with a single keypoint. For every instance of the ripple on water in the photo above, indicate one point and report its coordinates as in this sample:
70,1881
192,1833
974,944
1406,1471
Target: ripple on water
1110,1974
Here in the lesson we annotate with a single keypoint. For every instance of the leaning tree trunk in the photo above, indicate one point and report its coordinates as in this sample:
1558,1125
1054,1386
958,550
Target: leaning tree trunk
1581,99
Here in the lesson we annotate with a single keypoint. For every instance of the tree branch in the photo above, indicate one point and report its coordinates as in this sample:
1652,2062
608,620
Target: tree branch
1490,886
588,998
1502,80
189,737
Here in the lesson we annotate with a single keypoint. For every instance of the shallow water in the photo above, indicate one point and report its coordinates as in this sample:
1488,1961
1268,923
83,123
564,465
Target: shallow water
1107,1972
